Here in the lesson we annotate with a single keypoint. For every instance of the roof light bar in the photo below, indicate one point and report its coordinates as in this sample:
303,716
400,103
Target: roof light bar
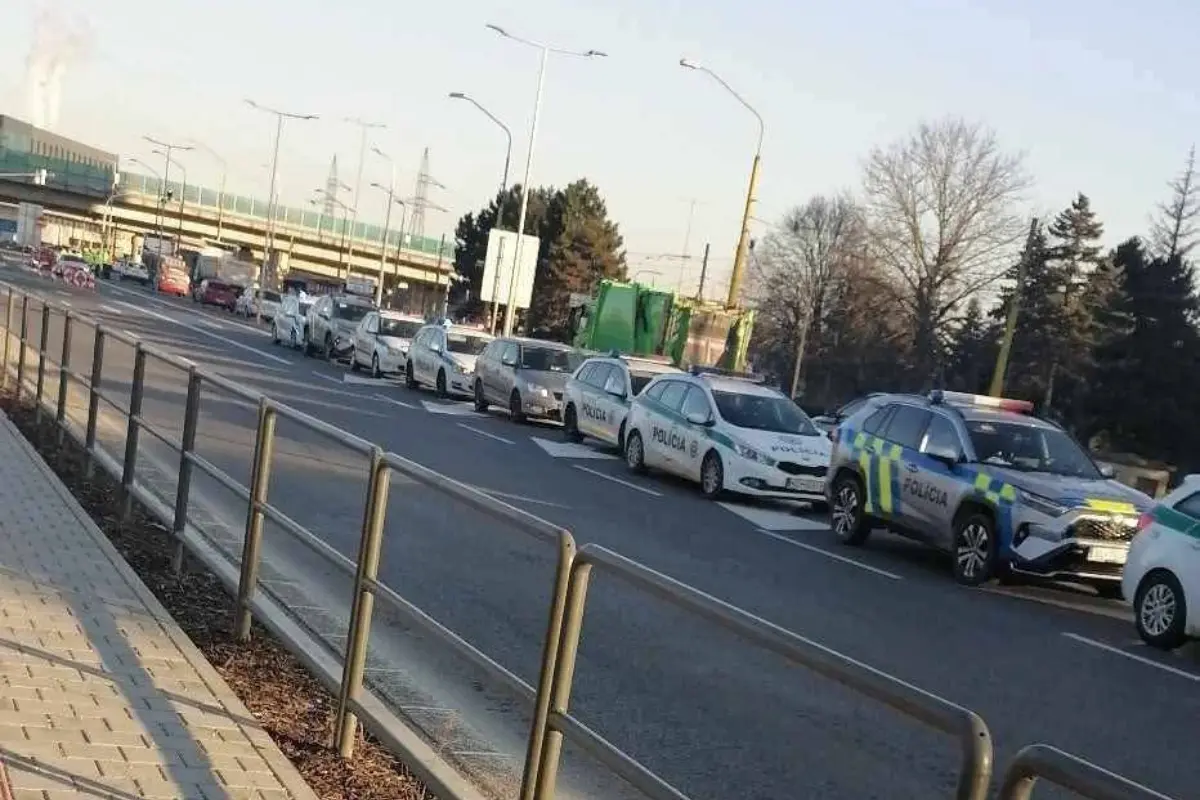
940,397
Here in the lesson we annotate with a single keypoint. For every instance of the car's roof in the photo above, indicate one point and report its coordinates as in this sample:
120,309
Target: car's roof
528,342
463,330
389,314
646,367
1009,417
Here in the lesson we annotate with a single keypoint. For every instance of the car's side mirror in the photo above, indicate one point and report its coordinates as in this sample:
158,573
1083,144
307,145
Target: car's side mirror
508,361
696,418
1108,471
946,455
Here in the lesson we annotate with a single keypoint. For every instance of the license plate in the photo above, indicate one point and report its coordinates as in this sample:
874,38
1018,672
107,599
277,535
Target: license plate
815,485
1107,555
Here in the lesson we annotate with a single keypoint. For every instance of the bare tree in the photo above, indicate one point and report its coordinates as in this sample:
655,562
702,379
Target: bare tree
798,265
941,210
1173,231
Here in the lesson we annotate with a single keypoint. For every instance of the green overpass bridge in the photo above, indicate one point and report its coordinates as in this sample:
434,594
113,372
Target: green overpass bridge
308,242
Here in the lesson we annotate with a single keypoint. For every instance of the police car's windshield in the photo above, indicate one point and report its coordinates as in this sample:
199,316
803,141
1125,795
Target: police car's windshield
351,312
762,412
1030,448
466,345
547,359
400,328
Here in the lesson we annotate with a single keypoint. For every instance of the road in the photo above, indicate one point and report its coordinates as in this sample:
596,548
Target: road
709,714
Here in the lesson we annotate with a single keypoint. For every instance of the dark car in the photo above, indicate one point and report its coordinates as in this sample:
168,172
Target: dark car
219,293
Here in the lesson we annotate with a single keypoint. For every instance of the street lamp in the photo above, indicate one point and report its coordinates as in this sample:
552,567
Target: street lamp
362,155
168,148
221,191
269,241
499,223
182,191
390,191
537,109
346,212
739,258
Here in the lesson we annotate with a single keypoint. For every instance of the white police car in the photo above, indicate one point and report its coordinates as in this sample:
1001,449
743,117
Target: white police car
729,433
443,355
597,398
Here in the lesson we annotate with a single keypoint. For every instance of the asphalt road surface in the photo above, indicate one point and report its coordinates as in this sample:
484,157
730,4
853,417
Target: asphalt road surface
711,715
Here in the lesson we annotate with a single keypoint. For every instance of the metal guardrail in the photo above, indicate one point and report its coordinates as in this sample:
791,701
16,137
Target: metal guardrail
552,722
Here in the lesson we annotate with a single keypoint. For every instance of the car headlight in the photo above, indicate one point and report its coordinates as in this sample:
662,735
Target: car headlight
534,388
396,351
1042,505
751,454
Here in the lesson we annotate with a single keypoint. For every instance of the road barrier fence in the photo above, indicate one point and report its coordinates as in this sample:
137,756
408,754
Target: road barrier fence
552,723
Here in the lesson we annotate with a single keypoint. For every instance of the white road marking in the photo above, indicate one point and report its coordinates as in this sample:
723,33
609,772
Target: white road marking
325,377
130,333
633,486
198,329
571,450
112,309
467,427
393,401
208,323
1191,676
520,498
451,409
779,518
358,380
1094,607
823,552
176,307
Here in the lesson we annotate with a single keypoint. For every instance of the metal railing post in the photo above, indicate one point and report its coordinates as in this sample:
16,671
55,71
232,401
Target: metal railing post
132,430
21,345
363,604
64,378
564,675
260,478
89,441
43,343
10,309
183,486
541,706
1066,771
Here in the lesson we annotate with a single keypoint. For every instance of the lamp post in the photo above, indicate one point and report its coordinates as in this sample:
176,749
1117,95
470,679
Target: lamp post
739,258
537,108
269,242
167,149
221,190
182,191
499,223
390,190
363,126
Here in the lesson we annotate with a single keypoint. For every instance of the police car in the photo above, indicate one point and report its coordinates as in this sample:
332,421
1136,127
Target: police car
443,355
984,480
729,433
597,398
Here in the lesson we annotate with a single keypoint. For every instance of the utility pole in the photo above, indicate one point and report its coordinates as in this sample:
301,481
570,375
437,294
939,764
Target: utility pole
363,126
1014,309
703,273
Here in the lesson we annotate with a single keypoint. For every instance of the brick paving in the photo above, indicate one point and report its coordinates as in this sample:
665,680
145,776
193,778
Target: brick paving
101,693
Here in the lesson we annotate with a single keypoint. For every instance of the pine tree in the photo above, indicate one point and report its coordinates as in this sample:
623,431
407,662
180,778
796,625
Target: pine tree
1173,232
972,351
1035,339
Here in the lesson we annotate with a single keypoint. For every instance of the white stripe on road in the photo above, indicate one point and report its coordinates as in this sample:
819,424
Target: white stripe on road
485,433
387,399
519,497
175,307
198,329
112,309
633,486
823,552
208,323
325,377
1191,676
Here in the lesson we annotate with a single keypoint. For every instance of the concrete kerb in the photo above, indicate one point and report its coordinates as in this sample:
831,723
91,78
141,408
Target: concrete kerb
425,762
283,769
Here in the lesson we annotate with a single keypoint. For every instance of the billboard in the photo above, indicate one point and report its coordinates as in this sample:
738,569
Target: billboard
498,268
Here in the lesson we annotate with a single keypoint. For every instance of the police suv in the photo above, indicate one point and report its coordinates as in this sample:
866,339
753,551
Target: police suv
729,433
983,479
597,398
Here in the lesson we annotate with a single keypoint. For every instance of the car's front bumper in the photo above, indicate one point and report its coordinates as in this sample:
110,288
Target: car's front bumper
1079,544
391,362
760,480
542,406
461,383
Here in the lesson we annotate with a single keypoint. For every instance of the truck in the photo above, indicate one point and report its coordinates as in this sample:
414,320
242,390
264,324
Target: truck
219,265
640,320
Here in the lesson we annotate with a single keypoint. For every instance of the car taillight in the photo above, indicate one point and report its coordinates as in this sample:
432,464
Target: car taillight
1144,521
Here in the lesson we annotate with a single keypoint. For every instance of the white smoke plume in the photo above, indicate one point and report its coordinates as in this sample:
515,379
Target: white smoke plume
59,40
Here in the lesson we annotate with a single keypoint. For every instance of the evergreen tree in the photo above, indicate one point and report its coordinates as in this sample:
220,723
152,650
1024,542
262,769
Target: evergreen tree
972,351
1146,380
586,250
1035,339
1173,231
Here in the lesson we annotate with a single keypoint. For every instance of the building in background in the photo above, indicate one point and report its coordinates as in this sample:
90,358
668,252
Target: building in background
73,166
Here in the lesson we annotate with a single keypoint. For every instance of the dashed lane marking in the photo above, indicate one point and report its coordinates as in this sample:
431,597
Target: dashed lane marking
571,450
614,479
1095,608
473,429
384,398
1181,673
827,554
777,517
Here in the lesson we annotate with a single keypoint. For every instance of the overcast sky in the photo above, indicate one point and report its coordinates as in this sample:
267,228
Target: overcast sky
1100,95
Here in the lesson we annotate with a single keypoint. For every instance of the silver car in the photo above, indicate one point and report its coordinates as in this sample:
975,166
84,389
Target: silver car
984,480
526,376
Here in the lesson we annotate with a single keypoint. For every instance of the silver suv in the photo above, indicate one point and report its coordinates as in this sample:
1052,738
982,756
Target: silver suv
983,480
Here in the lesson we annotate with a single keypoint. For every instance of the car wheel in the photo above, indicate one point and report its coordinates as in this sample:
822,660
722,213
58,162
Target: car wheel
275,337
409,380
481,403
515,407
442,391
571,425
376,372
1160,611
974,549
308,348
847,516
329,348
635,452
712,475
354,367
621,437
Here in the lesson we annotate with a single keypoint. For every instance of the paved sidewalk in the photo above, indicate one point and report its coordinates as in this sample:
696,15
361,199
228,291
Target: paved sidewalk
101,693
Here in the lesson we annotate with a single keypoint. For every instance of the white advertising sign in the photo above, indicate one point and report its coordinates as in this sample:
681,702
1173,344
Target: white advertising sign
498,268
